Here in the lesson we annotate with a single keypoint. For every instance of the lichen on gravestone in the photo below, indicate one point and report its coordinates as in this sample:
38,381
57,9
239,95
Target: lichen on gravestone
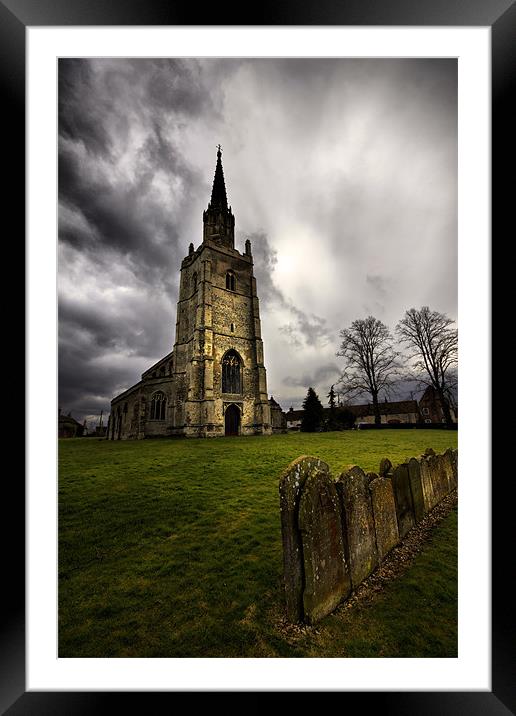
353,490
290,485
429,496
403,499
384,513
416,488
326,575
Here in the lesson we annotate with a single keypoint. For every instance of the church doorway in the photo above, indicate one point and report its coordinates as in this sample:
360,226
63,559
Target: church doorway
232,420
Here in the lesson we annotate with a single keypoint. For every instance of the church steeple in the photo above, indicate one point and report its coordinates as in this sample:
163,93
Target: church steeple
219,222
218,192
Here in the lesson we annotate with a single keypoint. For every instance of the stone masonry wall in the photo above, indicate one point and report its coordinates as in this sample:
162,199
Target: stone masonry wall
335,532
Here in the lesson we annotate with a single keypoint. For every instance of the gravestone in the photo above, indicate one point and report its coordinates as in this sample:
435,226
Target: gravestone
429,496
438,477
327,580
403,499
385,467
384,513
290,486
416,489
358,522
451,468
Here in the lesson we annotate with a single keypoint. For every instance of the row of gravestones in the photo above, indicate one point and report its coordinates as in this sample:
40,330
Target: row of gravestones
336,532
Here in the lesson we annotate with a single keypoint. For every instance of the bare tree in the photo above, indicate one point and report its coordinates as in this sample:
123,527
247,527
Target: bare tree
371,363
433,346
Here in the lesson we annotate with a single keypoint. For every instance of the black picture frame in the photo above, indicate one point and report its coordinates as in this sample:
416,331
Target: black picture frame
15,17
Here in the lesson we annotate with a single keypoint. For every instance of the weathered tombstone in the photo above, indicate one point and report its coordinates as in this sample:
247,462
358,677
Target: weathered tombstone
327,580
384,513
451,468
438,477
385,467
416,488
426,483
358,523
403,499
290,485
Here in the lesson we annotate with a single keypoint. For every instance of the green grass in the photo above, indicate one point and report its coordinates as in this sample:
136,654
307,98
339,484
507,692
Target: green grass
171,548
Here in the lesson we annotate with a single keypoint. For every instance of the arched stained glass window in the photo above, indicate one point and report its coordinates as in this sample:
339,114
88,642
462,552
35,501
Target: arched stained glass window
231,373
158,406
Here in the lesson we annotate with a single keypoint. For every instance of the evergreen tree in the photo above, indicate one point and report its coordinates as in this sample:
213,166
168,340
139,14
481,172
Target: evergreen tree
332,421
313,412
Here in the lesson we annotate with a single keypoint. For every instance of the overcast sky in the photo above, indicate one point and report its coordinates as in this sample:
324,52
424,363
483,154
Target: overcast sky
342,172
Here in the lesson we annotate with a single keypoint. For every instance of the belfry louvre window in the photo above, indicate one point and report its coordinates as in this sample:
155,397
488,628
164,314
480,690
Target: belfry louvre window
231,373
158,405
230,280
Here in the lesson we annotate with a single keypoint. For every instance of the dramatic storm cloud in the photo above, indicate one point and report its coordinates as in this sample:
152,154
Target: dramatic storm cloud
343,173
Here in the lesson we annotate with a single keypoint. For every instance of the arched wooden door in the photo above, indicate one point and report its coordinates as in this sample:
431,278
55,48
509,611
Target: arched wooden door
232,420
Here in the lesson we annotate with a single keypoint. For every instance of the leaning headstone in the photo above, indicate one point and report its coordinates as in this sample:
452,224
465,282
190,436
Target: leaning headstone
416,488
327,580
384,513
358,522
403,499
385,467
290,486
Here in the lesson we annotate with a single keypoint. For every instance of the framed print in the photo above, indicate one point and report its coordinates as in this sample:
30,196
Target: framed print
45,46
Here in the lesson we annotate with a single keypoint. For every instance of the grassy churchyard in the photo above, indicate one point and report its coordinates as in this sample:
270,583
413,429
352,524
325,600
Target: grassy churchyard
172,548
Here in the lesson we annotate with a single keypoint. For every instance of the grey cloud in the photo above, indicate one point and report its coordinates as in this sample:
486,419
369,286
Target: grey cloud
304,328
378,284
265,259
323,373
81,109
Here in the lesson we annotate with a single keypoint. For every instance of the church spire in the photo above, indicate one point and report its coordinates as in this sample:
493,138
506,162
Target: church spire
218,219
218,193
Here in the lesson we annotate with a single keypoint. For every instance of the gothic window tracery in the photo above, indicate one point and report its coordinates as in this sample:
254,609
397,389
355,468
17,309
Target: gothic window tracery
232,373
230,281
158,406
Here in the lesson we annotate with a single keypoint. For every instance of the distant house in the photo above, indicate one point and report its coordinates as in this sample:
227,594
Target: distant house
431,409
294,418
278,418
401,411
68,427
404,411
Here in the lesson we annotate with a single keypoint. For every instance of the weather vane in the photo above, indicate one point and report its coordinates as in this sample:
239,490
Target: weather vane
219,148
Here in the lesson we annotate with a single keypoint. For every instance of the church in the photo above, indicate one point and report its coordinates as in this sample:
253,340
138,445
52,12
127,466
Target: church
213,382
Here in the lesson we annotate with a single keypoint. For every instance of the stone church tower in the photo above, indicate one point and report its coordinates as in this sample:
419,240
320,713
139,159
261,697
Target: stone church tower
214,381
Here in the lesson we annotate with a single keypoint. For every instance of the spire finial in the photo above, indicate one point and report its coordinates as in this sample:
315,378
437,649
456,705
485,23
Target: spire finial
219,152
